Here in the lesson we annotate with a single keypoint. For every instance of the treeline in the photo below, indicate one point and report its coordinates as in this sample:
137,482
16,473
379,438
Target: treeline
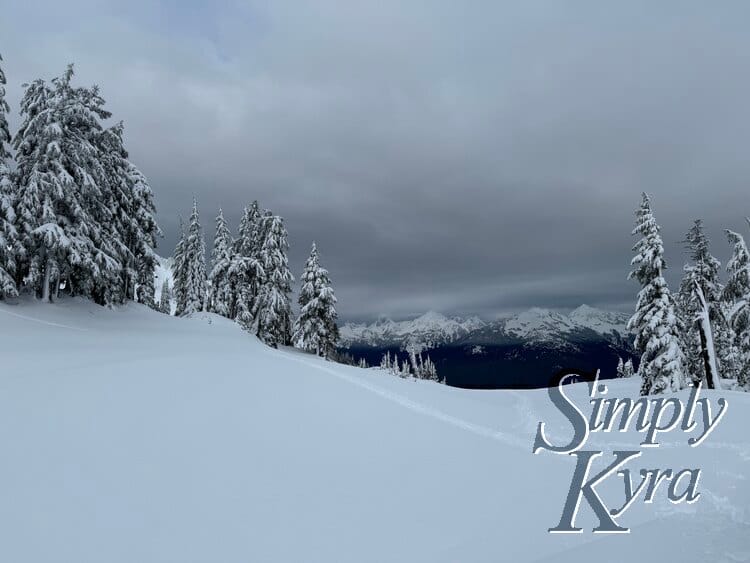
413,366
251,283
76,216
701,334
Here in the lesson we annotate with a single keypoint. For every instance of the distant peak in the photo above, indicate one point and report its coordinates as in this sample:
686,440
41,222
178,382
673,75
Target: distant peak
431,316
585,309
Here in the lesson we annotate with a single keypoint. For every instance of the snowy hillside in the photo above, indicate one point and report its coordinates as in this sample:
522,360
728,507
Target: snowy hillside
130,436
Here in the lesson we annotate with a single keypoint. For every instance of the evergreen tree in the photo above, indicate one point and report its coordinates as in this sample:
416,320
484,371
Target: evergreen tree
84,213
701,273
385,361
315,329
222,255
61,204
8,234
737,295
179,272
405,369
194,266
165,300
655,324
272,314
246,271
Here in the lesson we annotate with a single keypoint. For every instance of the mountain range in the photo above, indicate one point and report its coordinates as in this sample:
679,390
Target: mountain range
523,350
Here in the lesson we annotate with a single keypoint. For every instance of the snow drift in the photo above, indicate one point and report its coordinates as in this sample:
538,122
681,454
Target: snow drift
127,436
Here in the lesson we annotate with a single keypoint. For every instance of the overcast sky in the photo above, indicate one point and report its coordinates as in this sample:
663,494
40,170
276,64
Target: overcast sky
467,157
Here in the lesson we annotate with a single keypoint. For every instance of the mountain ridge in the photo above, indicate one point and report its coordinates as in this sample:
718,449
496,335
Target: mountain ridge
535,324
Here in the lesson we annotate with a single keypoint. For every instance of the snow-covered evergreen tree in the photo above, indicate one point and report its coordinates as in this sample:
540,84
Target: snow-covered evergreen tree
737,295
385,361
222,255
405,369
8,234
315,329
655,323
128,221
84,213
179,272
194,266
700,273
165,299
62,198
620,370
272,314
624,368
246,271
427,369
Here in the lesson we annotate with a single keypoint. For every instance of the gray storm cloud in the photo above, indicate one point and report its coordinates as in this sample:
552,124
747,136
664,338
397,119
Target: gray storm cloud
470,158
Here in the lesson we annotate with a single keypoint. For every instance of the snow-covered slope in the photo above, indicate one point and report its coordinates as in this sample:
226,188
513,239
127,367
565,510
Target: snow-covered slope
132,436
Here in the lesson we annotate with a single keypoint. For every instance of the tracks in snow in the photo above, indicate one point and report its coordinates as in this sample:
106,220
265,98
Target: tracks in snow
417,407
40,321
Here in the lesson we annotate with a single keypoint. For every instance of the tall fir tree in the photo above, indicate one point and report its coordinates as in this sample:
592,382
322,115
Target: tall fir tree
315,328
61,206
246,272
165,299
222,289
179,272
737,296
133,217
8,234
194,266
700,273
272,313
655,323
84,213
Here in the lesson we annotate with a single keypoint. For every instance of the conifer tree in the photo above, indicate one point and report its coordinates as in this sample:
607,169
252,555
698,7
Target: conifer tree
84,213
655,323
315,329
194,266
272,314
701,276
165,299
8,233
61,197
620,370
222,255
385,360
246,271
737,295
179,272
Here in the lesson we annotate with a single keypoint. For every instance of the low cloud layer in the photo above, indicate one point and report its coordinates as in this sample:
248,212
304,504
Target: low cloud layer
468,158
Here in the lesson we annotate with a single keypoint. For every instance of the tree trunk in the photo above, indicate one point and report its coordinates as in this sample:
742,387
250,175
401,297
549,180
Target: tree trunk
708,352
45,286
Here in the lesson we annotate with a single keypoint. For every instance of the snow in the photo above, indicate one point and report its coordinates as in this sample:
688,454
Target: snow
128,435
429,328
534,325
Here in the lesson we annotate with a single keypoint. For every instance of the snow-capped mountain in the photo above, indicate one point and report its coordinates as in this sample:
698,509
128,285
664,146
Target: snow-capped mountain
429,330
534,325
522,350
